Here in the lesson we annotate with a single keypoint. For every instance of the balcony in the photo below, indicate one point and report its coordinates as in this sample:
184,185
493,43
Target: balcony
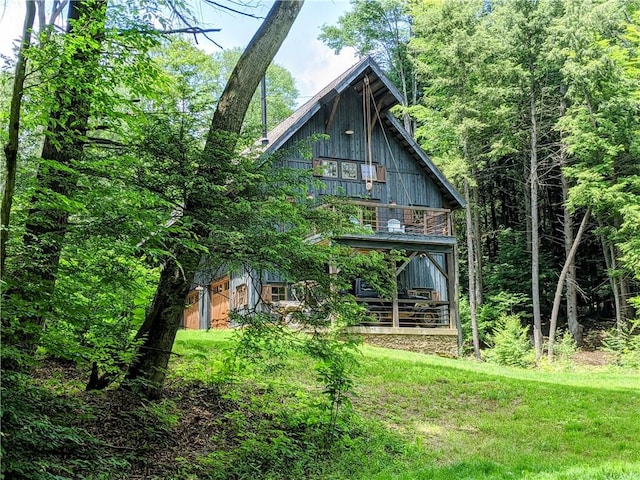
402,220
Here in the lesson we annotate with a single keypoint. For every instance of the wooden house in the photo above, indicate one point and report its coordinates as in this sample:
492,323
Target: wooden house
404,203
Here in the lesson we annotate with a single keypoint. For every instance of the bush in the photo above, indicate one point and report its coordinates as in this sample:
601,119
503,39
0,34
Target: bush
39,441
565,349
624,343
489,314
510,343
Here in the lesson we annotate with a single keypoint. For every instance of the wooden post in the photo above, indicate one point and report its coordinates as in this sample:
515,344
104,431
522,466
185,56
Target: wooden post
451,260
395,309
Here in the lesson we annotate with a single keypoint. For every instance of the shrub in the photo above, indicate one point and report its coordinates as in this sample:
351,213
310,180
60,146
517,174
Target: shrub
39,441
624,343
489,314
510,343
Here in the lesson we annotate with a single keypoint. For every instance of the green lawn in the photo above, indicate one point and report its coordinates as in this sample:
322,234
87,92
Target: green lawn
425,417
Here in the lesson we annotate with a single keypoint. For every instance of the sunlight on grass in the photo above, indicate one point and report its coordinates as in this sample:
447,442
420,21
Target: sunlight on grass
425,417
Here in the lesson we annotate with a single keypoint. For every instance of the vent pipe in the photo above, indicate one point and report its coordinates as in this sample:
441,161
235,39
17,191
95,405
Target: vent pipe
263,105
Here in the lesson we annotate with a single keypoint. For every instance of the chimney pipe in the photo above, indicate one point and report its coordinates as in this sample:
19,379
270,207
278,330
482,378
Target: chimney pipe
263,103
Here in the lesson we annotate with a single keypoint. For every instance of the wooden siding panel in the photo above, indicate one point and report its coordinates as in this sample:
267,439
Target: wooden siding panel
406,182
421,273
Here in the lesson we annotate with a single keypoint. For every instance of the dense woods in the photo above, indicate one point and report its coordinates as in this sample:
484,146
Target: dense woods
122,171
533,107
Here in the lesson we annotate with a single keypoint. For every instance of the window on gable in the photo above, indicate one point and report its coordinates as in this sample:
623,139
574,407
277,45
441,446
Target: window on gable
329,168
349,170
369,172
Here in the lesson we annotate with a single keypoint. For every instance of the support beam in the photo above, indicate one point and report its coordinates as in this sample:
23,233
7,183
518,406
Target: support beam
437,265
395,312
329,121
405,263
450,263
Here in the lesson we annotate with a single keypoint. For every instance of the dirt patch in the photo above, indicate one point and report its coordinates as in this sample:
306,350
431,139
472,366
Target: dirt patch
593,358
161,439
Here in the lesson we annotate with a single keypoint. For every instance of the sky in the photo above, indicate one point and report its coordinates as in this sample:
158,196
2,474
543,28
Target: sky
312,64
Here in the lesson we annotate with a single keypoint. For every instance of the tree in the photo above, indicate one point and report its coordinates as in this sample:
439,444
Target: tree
451,56
11,147
601,125
83,88
200,80
380,28
65,134
217,162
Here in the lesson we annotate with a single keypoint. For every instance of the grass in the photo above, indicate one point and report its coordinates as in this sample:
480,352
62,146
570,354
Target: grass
425,417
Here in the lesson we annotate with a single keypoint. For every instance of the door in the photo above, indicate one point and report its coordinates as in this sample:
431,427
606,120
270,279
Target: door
220,303
192,311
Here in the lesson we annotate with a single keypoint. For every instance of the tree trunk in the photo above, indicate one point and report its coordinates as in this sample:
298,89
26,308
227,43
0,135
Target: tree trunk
472,273
163,320
572,301
563,275
477,238
46,223
11,148
535,239
567,225
610,263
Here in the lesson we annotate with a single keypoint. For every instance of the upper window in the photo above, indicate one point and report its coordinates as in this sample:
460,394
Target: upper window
369,172
349,171
329,168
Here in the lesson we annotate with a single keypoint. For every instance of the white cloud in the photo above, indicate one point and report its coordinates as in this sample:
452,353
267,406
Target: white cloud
11,22
319,65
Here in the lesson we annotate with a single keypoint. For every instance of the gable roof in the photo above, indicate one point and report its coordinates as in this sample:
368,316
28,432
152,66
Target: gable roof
386,95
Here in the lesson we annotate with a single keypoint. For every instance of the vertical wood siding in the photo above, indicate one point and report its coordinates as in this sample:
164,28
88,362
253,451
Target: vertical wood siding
406,182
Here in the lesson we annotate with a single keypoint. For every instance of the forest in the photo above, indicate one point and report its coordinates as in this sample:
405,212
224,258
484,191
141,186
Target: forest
130,159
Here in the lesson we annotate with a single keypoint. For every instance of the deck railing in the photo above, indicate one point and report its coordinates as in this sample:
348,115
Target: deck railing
411,313
402,219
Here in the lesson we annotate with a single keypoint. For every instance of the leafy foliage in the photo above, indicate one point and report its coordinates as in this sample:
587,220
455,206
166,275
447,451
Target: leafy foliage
624,343
510,343
39,439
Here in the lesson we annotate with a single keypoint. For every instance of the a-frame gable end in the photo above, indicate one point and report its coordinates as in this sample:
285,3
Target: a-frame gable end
352,77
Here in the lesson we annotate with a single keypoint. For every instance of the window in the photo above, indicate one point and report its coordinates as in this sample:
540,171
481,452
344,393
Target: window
329,168
242,296
349,171
369,172
278,293
274,293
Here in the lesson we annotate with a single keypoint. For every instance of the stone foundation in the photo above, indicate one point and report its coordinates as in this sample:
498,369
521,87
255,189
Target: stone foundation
444,345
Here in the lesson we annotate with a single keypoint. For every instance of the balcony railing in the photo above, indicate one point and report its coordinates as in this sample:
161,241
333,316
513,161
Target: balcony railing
402,219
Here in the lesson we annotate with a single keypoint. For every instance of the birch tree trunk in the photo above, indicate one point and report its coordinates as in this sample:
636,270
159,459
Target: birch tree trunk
610,263
164,318
472,274
477,238
567,225
563,275
571,301
535,238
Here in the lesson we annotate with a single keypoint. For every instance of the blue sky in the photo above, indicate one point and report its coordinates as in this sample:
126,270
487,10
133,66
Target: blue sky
312,64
